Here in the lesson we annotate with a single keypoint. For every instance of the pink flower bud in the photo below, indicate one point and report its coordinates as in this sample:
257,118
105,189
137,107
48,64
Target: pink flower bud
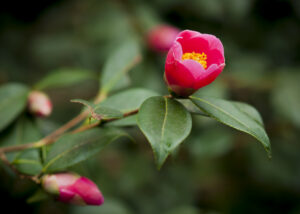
39,104
194,61
72,188
161,37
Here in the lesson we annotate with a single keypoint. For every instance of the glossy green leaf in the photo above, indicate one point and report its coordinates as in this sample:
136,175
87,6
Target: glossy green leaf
64,77
100,112
107,113
127,121
118,64
13,99
71,149
166,123
236,115
128,100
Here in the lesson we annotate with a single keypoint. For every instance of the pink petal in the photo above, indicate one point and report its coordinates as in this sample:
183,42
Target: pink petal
178,74
175,53
88,191
65,195
194,67
215,57
65,179
187,34
195,44
209,75
214,43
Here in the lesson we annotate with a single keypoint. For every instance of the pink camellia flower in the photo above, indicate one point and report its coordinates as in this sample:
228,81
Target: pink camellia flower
72,188
39,104
194,61
161,37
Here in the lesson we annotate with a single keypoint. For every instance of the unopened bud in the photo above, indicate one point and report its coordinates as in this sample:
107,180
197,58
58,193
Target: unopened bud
161,37
39,104
72,188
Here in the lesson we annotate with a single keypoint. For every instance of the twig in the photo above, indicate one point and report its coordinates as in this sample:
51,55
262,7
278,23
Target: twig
54,135
13,168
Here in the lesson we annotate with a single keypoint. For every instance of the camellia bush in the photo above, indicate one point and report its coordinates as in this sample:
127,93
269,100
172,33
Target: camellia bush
194,60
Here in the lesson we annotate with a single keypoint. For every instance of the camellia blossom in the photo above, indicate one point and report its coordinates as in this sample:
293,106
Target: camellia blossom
161,37
194,61
39,104
72,188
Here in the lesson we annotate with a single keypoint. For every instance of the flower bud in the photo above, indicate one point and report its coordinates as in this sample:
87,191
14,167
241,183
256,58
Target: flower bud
161,37
72,188
39,104
194,61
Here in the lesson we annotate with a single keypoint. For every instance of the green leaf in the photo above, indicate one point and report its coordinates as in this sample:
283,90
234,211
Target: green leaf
71,149
24,131
118,64
127,121
13,99
107,113
64,77
128,100
38,196
236,115
100,112
28,162
166,123
83,102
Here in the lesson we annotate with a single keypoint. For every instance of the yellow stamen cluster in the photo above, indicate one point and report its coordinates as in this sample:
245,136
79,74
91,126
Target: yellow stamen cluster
201,58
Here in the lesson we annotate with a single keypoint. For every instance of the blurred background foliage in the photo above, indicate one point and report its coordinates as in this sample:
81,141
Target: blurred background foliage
217,169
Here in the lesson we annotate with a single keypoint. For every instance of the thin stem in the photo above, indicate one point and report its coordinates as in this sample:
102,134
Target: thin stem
13,168
55,135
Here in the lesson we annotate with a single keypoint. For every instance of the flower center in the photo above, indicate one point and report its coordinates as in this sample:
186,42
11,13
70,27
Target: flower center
201,58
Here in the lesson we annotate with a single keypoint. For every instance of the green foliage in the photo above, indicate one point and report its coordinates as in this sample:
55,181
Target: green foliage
127,121
74,148
106,113
128,100
64,77
118,64
100,112
165,123
236,115
23,131
83,102
13,99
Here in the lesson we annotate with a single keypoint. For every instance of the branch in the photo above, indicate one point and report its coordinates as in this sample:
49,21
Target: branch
54,135
13,168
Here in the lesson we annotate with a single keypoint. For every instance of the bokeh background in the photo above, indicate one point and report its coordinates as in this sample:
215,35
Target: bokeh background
217,169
